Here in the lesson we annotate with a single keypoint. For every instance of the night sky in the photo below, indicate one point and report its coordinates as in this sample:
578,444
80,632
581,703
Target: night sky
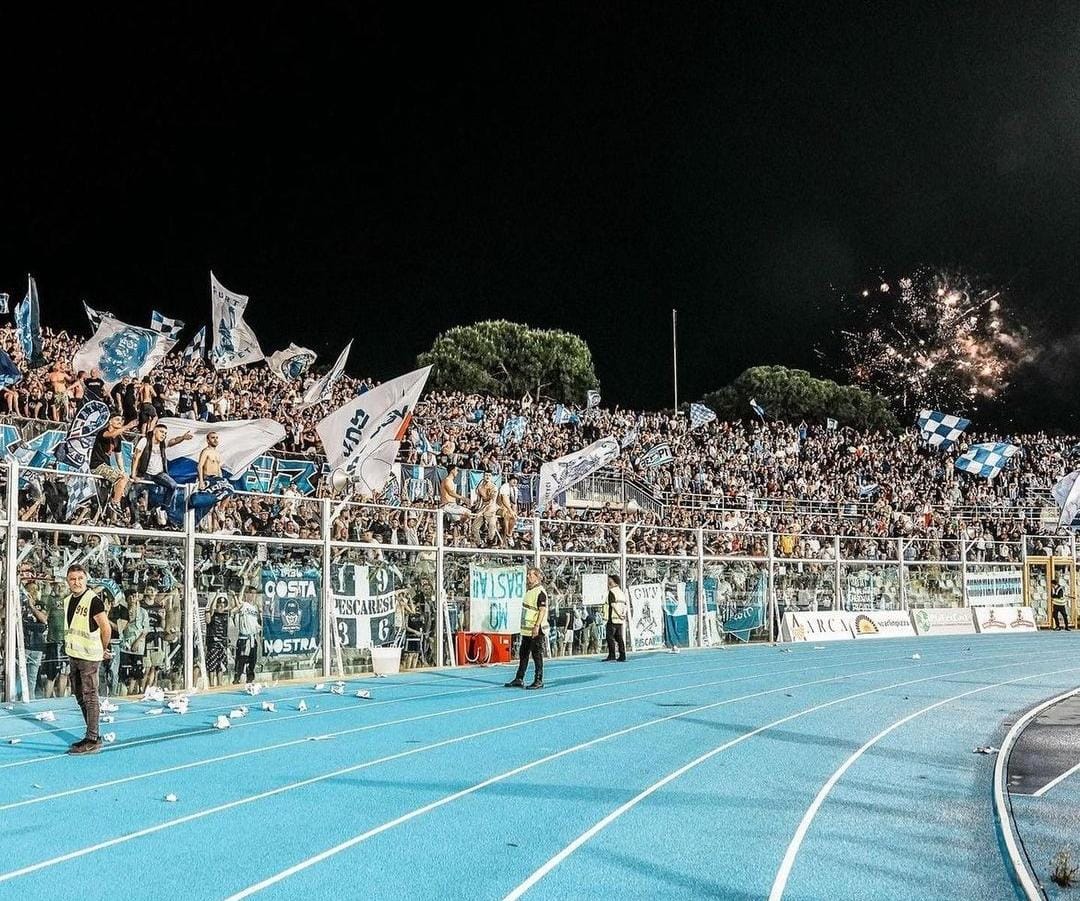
388,172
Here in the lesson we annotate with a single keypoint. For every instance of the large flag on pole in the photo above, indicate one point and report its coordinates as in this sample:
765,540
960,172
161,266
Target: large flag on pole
986,460
700,415
196,350
9,372
28,326
162,323
323,389
363,436
1067,494
240,442
120,350
290,363
941,429
94,316
565,472
234,342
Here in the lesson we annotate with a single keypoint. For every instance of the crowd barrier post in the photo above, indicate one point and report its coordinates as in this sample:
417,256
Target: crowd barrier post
963,573
902,580
328,623
622,557
772,587
191,600
13,617
440,590
536,541
837,600
702,601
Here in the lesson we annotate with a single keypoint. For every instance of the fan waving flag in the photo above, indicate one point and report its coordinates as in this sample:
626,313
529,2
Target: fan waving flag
941,429
700,415
323,389
234,342
986,460
95,316
291,363
592,399
196,350
565,472
363,436
121,350
9,372
658,455
757,408
1067,494
28,326
171,328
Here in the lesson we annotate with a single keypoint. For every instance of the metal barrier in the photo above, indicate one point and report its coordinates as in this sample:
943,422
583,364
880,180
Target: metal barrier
276,587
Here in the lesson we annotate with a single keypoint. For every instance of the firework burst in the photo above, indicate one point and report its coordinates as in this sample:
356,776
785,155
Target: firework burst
932,338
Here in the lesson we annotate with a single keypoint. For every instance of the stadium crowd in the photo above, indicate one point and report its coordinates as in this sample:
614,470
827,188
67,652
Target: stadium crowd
732,477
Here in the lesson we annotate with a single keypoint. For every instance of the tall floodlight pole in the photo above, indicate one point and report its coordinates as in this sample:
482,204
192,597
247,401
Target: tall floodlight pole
675,356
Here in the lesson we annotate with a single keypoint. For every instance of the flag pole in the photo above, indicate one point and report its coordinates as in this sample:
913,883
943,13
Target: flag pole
675,356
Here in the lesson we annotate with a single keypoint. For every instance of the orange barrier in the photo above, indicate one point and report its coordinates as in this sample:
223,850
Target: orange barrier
482,647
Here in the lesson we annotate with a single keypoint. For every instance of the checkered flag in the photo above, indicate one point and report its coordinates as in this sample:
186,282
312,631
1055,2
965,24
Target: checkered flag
93,315
171,328
986,460
941,429
700,415
196,350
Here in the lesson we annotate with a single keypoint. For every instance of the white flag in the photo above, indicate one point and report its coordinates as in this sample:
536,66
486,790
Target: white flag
290,363
364,435
234,342
119,350
94,316
323,389
558,475
240,443
1067,494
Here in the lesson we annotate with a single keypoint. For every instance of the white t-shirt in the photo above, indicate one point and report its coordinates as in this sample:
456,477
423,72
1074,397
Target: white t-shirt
153,461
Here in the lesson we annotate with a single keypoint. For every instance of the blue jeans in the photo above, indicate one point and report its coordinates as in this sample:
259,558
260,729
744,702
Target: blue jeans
33,667
167,483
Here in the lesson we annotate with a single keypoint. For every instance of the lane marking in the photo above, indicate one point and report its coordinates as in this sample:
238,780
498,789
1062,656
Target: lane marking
784,871
71,855
1056,780
404,818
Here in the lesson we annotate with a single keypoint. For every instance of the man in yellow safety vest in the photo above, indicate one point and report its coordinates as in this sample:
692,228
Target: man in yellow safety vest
615,616
86,641
534,631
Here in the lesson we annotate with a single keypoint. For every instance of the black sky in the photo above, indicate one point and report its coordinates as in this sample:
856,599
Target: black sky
386,171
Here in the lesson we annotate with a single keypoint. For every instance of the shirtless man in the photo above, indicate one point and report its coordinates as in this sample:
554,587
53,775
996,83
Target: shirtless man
486,494
59,381
209,462
452,502
508,495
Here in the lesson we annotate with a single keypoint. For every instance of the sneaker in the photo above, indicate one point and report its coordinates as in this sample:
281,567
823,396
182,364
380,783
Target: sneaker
514,683
85,747
534,685
78,744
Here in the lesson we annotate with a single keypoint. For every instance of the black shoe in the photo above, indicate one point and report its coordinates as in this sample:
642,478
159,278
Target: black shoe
607,659
534,686
78,744
514,683
85,747
620,660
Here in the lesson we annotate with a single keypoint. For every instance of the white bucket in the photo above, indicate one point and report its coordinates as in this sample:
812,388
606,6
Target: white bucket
385,661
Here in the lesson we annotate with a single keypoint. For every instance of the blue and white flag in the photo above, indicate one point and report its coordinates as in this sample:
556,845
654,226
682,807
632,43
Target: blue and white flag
629,439
196,350
94,316
291,363
4,300
240,443
700,415
121,350
323,389
757,408
168,327
941,429
592,399
869,490
89,422
423,445
514,429
1067,494
657,455
562,416
28,326
9,372
986,460
558,475
234,342
363,436
831,424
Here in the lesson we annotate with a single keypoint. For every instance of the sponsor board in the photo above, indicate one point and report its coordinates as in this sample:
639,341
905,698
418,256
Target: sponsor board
1004,620
943,621
823,626
882,624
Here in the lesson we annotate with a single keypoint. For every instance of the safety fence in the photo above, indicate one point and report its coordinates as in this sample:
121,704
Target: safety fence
276,587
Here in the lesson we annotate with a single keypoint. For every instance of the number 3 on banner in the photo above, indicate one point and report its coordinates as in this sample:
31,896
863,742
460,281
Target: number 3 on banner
344,638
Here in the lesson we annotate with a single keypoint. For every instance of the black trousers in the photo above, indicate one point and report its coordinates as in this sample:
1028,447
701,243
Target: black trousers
534,647
1061,610
247,650
615,640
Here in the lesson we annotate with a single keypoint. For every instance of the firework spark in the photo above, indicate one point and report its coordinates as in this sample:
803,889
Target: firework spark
931,338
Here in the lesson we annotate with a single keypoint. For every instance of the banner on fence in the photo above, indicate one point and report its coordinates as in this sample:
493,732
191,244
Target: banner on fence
646,616
943,621
995,588
495,598
594,589
290,610
823,626
366,604
1004,620
882,624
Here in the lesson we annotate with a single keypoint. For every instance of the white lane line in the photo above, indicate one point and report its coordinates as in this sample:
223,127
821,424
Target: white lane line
206,761
516,698
1057,780
784,872
420,811
4,877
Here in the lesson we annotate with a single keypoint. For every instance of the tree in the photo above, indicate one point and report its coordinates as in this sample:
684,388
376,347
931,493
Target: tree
794,395
506,359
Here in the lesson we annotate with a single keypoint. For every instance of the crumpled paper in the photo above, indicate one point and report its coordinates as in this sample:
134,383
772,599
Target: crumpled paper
237,713
253,688
154,694
268,706
301,706
46,716
222,722
362,693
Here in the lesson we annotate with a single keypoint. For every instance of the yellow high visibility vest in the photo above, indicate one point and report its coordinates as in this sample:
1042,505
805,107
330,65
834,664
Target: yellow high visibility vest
79,642
530,611
615,613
